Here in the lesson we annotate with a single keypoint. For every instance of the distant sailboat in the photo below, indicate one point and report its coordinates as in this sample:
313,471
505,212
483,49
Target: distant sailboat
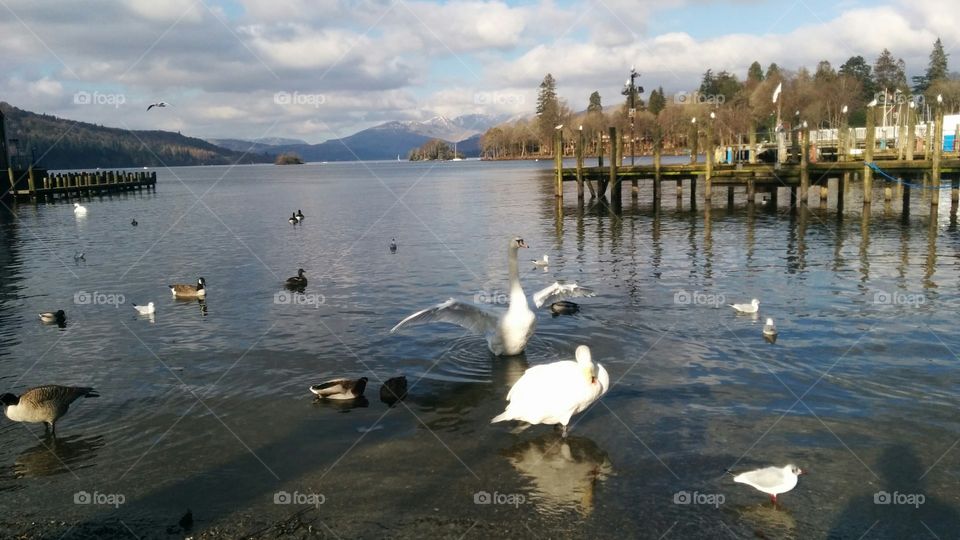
398,157
455,156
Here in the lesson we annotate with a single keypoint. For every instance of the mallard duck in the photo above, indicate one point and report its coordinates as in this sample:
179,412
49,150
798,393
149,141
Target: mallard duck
340,388
299,280
182,290
45,404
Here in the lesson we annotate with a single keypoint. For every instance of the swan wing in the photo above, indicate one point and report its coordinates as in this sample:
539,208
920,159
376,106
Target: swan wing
559,291
468,316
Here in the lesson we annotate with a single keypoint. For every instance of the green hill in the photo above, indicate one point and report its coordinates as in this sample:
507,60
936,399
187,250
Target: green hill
59,143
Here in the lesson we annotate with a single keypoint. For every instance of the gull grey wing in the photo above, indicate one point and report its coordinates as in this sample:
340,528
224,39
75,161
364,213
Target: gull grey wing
559,291
462,314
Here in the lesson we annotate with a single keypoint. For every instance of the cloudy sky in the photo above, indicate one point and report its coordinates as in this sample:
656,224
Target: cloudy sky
320,69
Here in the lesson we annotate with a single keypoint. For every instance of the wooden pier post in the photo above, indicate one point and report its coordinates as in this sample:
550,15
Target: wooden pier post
954,192
752,138
599,150
887,194
905,209
693,142
751,192
911,132
708,176
558,162
580,143
729,196
793,197
804,168
613,164
679,193
693,193
868,157
657,149
936,153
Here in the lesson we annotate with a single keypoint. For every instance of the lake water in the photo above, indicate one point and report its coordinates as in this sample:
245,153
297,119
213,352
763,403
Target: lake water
207,406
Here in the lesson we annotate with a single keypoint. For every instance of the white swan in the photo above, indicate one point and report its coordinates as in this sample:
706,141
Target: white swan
79,210
507,332
552,393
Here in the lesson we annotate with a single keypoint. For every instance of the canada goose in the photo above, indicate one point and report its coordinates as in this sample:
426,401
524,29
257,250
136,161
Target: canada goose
79,256
79,210
393,390
134,222
293,219
340,388
45,404
182,290
299,280
299,216
771,480
53,316
393,245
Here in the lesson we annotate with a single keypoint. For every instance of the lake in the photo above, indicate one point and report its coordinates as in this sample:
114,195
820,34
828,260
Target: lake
206,406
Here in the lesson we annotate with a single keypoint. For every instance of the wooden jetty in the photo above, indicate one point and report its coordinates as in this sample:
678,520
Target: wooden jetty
36,184
798,171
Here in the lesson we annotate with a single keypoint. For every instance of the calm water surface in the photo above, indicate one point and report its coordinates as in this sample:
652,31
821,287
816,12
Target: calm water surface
206,406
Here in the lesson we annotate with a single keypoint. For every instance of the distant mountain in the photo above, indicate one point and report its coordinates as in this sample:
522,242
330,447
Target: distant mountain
277,141
241,145
388,140
58,143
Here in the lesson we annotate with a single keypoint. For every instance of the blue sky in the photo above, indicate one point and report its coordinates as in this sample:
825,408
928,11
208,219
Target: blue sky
315,69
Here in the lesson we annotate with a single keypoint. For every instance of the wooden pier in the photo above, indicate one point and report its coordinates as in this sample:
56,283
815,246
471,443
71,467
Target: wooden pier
796,171
36,184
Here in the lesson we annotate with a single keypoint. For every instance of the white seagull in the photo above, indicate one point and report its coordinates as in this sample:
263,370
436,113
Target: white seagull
540,263
770,329
771,480
752,307
507,331
148,309
552,393
79,210
160,104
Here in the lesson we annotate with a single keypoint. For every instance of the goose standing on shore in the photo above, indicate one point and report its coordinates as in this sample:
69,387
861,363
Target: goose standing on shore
182,290
507,331
552,393
45,404
79,210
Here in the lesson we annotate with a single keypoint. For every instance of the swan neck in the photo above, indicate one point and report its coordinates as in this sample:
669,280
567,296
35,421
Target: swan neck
516,291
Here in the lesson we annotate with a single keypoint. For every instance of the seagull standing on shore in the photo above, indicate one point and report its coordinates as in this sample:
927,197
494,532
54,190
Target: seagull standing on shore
771,480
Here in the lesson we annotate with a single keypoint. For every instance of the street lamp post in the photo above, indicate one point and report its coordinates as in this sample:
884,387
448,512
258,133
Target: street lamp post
630,89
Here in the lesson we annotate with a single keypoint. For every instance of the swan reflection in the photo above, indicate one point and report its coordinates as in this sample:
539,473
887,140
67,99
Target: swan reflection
564,471
57,455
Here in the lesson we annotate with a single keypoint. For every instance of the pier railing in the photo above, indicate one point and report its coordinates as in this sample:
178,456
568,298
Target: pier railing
38,184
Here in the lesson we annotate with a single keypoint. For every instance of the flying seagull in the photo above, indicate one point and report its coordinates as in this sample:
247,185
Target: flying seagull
157,104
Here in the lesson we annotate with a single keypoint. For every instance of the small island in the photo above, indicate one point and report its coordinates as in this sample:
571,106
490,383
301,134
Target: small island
434,149
288,159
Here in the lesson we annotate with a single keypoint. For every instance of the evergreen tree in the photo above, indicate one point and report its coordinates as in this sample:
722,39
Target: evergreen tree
858,68
595,106
773,70
658,101
888,73
548,111
936,70
755,72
